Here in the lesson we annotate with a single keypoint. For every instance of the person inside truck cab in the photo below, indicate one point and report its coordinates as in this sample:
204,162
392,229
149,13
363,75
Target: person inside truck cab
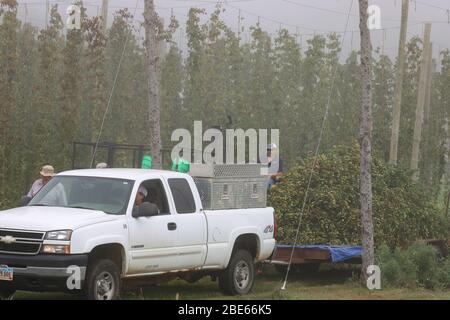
140,196
152,191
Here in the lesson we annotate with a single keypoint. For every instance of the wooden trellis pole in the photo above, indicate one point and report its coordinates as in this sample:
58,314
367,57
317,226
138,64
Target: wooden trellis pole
393,154
421,95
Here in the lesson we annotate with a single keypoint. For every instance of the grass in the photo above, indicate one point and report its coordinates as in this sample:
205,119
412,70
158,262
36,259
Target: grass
324,285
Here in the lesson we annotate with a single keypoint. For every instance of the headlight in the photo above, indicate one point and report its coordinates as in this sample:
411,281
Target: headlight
63,235
55,249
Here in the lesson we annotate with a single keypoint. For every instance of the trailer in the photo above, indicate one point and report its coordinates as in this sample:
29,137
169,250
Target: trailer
308,258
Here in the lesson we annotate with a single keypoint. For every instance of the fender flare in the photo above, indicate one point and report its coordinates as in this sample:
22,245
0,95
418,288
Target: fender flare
235,234
91,244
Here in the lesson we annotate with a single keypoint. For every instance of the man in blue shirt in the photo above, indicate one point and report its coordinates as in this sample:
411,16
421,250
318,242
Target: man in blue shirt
275,165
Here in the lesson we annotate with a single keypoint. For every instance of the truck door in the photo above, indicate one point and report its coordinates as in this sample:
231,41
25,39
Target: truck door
153,240
191,225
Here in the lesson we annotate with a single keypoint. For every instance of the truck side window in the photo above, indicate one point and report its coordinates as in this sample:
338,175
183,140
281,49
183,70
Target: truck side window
156,195
182,195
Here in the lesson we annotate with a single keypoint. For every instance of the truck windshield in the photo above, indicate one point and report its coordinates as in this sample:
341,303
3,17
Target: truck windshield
94,193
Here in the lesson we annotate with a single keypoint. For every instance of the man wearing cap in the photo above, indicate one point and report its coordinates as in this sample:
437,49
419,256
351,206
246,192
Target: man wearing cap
47,172
275,164
140,196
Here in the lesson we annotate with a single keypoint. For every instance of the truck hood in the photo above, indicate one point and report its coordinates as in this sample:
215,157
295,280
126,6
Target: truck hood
51,218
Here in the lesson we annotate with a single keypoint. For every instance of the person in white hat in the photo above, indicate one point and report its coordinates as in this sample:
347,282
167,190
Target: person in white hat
102,165
140,195
275,165
47,172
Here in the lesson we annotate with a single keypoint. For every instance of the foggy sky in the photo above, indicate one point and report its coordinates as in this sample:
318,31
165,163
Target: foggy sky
274,14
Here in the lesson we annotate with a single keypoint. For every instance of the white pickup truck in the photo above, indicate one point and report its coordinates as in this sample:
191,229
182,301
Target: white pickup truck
83,231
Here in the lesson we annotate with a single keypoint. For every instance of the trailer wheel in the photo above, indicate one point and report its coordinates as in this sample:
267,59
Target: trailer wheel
238,277
103,281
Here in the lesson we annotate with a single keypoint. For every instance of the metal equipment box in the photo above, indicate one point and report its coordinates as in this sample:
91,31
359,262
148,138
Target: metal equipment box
230,186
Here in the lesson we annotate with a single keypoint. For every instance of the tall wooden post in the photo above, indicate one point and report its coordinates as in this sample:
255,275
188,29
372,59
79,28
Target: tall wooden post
104,15
431,69
393,154
365,141
162,45
426,151
445,178
47,9
152,45
421,101
239,26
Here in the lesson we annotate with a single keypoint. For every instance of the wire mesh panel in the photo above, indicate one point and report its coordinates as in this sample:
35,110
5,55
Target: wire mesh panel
230,186
225,170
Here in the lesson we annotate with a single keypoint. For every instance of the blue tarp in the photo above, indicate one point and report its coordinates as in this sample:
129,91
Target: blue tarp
338,253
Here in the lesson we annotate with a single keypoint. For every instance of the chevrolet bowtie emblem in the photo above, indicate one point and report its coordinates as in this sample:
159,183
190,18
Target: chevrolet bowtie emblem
7,239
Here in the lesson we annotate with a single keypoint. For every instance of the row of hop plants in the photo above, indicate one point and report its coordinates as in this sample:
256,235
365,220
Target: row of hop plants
403,211
419,265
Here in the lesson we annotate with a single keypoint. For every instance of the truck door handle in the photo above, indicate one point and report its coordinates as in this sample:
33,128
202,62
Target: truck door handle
172,226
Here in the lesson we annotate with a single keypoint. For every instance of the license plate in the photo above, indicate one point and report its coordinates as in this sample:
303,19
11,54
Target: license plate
6,273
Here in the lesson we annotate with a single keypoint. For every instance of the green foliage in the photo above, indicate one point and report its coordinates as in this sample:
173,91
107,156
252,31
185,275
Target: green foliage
443,274
172,76
8,89
94,89
402,210
418,265
45,137
383,96
55,85
397,269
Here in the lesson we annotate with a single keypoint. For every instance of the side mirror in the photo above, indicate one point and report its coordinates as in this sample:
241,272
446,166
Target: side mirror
146,209
24,201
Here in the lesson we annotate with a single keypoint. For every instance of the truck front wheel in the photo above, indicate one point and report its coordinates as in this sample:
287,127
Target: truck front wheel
238,277
7,294
103,281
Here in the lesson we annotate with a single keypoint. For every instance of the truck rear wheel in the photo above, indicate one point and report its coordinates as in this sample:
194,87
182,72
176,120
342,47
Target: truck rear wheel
238,277
103,281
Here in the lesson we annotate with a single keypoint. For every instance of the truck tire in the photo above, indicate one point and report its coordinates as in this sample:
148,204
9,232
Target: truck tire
7,294
238,277
102,281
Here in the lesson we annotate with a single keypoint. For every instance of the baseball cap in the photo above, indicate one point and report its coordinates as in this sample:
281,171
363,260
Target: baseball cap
271,146
143,191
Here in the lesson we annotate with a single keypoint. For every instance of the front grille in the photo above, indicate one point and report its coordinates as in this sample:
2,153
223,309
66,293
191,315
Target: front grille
22,234
23,242
26,248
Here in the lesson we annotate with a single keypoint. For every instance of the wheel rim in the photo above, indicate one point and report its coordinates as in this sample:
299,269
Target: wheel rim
242,275
104,286
8,295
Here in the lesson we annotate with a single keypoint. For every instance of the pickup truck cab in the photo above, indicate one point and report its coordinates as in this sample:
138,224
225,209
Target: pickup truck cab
84,233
